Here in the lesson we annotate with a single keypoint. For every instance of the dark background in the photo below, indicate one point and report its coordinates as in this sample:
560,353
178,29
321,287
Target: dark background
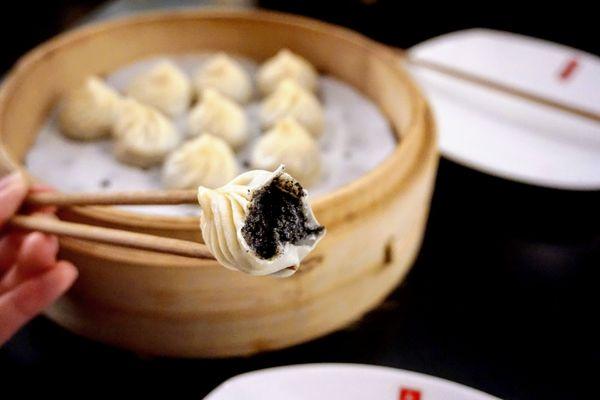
503,297
24,24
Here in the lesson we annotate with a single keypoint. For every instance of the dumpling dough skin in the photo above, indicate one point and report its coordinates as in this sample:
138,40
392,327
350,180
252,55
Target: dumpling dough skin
219,116
164,87
204,161
226,76
291,100
143,136
224,211
290,144
286,65
89,110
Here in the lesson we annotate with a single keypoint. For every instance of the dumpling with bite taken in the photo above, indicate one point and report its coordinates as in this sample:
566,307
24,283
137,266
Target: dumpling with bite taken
89,111
260,223
204,161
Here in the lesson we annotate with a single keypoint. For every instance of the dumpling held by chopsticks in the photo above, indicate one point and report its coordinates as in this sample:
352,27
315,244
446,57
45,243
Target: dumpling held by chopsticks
260,223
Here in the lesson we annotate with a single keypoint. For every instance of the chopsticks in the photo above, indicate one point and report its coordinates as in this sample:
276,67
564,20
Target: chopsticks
48,224
146,197
117,237
498,87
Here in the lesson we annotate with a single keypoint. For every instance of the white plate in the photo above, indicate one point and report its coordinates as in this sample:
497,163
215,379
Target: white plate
504,135
341,381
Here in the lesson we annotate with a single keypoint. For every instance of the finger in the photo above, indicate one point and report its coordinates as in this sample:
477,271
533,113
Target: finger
36,255
12,192
29,298
40,188
9,250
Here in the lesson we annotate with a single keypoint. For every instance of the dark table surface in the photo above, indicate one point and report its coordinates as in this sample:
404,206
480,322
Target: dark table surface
501,298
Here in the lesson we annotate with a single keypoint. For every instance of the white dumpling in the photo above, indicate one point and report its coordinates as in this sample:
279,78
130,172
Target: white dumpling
291,100
204,161
143,136
225,75
217,115
290,144
165,87
89,110
286,65
245,227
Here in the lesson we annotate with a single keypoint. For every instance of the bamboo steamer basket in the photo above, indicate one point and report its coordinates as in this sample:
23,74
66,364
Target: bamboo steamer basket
158,304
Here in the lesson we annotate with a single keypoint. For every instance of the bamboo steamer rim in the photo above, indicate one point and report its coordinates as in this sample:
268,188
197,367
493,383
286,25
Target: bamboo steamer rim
408,139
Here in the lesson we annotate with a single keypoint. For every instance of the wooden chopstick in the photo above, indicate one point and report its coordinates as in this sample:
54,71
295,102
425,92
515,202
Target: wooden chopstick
117,237
148,197
499,87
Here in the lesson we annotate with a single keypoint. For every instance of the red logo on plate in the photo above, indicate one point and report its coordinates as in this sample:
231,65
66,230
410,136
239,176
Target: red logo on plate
568,69
409,394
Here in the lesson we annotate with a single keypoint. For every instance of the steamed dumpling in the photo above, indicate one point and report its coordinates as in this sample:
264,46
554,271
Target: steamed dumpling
165,87
89,110
290,144
291,100
219,116
286,65
260,223
225,75
205,161
143,136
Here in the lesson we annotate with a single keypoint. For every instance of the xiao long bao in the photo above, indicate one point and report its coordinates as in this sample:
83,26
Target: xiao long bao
225,75
217,115
88,112
286,65
204,161
260,223
291,100
143,136
164,87
290,144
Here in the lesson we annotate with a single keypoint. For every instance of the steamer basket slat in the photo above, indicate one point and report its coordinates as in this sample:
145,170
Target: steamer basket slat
166,305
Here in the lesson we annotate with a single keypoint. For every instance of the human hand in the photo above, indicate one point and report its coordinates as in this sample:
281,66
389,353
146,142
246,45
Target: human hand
31,277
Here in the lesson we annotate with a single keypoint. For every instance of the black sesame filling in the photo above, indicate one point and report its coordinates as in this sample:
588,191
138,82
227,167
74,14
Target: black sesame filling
276,216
